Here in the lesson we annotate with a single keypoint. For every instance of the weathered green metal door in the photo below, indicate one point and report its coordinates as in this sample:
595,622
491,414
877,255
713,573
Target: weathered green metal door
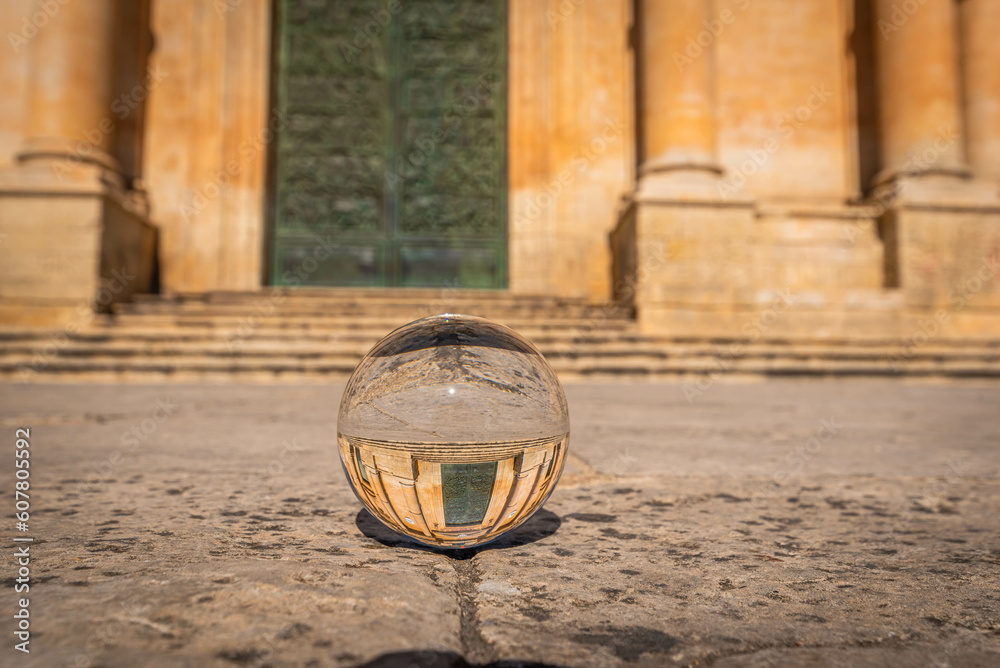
466,490
390,164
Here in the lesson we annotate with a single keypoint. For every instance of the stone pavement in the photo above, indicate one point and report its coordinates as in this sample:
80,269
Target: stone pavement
787,523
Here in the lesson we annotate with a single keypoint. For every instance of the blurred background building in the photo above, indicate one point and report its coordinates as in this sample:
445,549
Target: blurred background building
643,186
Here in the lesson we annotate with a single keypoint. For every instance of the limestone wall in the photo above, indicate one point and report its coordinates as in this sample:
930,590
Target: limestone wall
206,143
74,237
845,152
572,150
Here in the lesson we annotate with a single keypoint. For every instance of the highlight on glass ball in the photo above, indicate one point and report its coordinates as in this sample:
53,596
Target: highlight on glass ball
453,430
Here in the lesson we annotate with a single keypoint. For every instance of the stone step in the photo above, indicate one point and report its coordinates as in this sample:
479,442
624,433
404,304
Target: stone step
158,370
321,334
324,306
324,319
118,348
370,334
361,308
406,296
431,306
554,338
318,330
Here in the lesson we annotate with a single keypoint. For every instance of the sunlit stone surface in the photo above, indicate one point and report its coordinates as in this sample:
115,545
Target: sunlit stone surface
453,430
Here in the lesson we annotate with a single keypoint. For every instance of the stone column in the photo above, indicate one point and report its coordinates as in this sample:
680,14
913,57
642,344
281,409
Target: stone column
940,221
676,96
681,248
920,120
71,79
75,240
981,73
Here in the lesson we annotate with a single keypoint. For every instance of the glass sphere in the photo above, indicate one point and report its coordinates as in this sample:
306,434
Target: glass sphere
453,430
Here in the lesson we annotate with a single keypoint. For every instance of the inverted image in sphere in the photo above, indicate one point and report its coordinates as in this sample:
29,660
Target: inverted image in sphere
453,430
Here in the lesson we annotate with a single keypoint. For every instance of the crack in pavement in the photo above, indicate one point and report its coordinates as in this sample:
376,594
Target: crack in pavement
475,649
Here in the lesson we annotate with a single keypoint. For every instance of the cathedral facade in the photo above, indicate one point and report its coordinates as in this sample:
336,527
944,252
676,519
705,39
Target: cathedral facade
818,168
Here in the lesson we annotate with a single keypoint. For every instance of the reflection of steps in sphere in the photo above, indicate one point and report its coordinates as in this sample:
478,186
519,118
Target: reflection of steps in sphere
453,494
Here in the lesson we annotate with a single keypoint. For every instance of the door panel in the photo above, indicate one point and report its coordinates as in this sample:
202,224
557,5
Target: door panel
391,170
466,490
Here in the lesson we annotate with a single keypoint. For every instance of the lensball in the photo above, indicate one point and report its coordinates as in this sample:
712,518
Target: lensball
453,430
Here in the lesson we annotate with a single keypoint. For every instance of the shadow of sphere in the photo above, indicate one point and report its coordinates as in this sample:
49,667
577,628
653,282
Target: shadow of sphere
541,525
435,659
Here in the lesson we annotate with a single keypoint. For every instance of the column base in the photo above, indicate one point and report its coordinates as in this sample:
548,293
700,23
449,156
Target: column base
682,252
787,320
937,189
926,253
683,178
72,245
64,154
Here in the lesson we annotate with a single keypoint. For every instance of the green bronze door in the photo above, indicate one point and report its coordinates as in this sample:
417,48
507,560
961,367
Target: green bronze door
389,167
466,490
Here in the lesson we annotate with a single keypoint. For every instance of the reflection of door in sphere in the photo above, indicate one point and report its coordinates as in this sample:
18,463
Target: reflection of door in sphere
466,490
390,165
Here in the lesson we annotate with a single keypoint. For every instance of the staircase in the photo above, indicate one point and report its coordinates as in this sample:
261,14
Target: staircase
317,334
